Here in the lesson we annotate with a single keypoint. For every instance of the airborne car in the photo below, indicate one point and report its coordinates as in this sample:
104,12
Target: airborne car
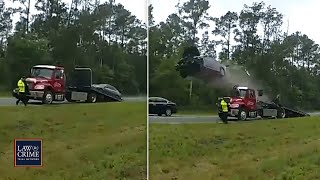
202,67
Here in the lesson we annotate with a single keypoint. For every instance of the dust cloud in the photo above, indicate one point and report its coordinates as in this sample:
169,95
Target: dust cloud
238,75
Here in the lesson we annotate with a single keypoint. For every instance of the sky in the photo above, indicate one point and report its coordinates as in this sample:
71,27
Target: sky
136,7
302,15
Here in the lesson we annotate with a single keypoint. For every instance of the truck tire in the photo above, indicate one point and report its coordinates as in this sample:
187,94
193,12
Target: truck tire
92,97
281,113
242,116
47,97
68,97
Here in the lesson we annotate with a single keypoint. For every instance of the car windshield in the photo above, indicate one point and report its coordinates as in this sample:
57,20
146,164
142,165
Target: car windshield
111,87
44,73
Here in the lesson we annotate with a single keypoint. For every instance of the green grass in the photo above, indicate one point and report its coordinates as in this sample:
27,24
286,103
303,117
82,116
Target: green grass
5,94
80,141
264,150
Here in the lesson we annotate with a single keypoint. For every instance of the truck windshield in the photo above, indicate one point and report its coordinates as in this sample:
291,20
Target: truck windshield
240,92
44,73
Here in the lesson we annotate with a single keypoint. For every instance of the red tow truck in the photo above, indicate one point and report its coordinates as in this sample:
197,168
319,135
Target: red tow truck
48,83
243,104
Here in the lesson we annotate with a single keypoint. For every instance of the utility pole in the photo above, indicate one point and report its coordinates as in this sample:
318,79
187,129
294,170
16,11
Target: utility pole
112,10
190,90
27,23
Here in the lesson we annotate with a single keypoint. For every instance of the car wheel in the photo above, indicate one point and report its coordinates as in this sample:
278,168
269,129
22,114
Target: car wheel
168,112
222,72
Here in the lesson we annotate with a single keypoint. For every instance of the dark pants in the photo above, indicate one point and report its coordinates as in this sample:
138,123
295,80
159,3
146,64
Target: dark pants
22,97
224,117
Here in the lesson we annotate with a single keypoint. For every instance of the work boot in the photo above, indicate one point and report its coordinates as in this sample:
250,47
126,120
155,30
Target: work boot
17,102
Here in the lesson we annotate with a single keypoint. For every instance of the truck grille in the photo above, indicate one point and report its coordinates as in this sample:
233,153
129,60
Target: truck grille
29,85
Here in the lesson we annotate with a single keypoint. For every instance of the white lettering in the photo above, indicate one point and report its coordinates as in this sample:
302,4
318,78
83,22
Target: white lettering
28,152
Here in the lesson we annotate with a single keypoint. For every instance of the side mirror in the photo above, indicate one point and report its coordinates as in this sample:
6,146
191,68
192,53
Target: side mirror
260,92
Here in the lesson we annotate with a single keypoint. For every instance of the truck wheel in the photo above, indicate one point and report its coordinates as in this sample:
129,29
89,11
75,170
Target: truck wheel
168,112
47,97
281,113
68,97
242,115
92,97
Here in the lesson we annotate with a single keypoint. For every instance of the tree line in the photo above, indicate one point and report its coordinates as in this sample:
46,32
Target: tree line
105,37
287,64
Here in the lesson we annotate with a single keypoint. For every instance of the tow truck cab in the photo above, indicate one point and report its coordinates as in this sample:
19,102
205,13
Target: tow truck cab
243,103
46,83
245,99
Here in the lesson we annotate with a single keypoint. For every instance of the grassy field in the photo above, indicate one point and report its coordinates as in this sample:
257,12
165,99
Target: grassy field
80,141
5,94
257,150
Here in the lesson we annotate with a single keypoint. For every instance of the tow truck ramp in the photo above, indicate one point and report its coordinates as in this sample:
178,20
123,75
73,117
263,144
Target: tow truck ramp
291,113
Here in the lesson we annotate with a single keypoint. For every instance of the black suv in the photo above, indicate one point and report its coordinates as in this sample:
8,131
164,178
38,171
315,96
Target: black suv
160,106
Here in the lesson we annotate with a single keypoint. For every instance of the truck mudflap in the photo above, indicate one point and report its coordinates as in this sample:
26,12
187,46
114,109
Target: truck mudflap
112,96
291,113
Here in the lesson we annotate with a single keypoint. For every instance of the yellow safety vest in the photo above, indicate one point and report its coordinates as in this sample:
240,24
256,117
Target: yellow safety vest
21,86
224,106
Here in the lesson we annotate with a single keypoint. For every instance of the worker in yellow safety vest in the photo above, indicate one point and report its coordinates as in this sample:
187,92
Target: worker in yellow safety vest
22,96
224,109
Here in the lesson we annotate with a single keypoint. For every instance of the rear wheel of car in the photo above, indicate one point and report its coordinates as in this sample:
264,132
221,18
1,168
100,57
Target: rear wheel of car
222,72
168,112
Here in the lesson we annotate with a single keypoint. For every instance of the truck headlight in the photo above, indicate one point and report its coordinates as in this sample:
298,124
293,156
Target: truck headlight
39,87
234,105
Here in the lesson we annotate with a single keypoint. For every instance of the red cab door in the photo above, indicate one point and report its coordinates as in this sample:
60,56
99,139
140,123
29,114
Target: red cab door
59,82
251,101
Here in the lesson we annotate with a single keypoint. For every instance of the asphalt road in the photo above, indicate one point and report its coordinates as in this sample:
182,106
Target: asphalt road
190,119
8,101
